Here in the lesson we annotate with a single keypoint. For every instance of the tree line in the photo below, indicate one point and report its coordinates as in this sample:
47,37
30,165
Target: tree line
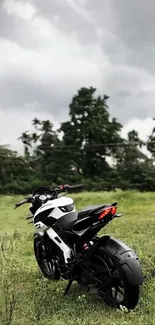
87,148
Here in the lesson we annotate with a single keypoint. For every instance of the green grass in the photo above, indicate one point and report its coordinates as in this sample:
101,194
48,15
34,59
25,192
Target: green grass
38,301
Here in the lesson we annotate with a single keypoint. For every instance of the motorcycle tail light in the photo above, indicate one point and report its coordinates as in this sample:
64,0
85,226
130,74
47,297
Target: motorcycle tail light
111,211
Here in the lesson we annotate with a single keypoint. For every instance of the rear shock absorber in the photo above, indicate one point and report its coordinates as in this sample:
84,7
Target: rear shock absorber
85,247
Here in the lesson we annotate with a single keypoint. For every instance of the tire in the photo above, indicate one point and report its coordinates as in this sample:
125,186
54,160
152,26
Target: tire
47,265
114,289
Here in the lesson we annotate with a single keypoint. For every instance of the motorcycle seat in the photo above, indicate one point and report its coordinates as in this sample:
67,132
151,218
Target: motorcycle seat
87,210
68,221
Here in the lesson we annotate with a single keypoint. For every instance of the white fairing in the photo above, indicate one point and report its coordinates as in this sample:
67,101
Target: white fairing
56,213
66,249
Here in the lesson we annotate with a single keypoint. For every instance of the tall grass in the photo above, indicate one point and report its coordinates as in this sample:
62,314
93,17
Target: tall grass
27,298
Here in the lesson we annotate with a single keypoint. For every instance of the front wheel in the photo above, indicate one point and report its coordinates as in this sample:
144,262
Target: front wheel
47,265
111,283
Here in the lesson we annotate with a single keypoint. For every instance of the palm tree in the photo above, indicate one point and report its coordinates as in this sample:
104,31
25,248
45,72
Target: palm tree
47,126
26,138
36,122
35,137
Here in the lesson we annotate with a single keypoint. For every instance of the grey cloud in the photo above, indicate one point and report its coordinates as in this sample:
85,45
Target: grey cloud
130,30
59,13
127,27
135,24
16,29
126,35
17,93
69,20
128,99
126,107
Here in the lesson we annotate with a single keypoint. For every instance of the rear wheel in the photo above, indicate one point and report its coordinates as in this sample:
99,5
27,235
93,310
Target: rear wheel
47,265
112,286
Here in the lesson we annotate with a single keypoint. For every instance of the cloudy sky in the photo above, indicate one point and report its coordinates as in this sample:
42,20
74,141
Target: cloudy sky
49,49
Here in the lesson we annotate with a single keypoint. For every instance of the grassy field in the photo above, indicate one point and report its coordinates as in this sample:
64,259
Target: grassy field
27,298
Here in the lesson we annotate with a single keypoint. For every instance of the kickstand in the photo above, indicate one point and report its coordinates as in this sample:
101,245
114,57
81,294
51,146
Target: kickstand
68,287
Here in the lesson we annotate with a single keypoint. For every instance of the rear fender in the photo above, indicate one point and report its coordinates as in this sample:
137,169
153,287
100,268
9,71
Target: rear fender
125,257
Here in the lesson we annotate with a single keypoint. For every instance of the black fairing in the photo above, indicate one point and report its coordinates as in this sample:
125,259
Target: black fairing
83,223
41,189
126,258
43,217
67,236
66,222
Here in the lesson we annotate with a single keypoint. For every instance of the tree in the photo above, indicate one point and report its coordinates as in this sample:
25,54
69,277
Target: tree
26,139
151,143
86,148
133,137
15,171
36,122
130,160
47,156
90,134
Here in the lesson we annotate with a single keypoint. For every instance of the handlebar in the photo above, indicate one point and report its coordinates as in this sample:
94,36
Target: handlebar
70,188
18,204
54,193
28,199
67,188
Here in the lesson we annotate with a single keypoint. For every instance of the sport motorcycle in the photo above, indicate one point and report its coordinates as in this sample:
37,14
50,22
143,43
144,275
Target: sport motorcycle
67,246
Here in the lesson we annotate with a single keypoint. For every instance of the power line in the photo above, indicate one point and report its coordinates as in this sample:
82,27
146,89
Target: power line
88,147
110,144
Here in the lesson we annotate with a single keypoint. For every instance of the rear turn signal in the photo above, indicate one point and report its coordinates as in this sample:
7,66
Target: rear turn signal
111,211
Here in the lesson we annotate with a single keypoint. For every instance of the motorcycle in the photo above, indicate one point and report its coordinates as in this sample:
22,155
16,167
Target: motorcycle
66,246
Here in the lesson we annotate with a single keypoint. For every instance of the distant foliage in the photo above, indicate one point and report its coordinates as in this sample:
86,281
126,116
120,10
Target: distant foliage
86,148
